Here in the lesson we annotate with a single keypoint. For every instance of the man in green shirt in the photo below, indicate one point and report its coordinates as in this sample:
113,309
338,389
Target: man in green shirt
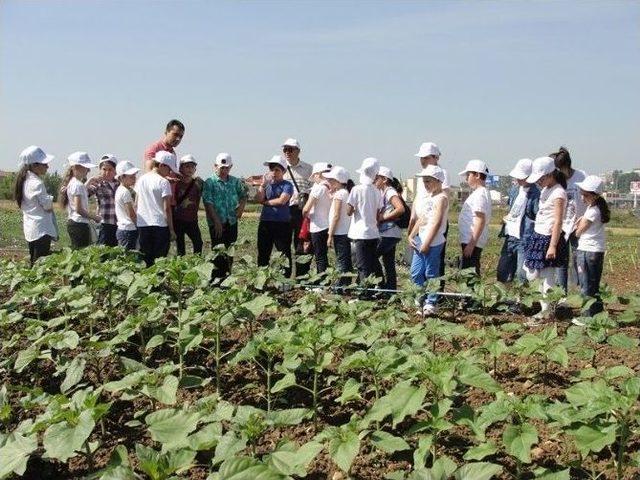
224,199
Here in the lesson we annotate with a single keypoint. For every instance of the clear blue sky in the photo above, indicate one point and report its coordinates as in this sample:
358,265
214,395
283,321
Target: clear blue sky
492,80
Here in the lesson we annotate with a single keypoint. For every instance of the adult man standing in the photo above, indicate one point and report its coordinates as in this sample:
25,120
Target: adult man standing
224,199
172,136
298,173
421,209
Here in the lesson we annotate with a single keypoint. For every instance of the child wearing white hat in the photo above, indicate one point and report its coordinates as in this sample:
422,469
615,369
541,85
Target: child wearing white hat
339,221
127,232
104,186
317,209
154,217
35,202
591,241
187,193
428,238
362,206
518,224
75,198
546,247
473,221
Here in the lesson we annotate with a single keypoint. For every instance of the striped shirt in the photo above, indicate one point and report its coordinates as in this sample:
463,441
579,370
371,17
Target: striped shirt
105,192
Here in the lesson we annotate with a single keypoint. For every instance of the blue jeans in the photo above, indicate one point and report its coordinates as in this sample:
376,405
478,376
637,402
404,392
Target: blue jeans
127,238
590,266
387,250
425,266
511,261
342,246
569,262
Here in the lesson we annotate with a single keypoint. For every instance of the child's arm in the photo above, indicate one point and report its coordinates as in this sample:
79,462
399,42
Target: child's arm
582,224
308,206
283,199
168,212
439,209
131,211
558,210
333,221
479,221
398,210
77,206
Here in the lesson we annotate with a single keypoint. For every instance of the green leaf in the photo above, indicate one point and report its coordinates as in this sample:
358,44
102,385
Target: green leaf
228,446
290,416
205,438
350,391
285,382
154,341
62,440
620,340
171,427
545,474
165,393
258,305
295,462
593,439
518,440
559,355
388,443
25,357
420,453
344,449
473,375
15,453
246,468
442,469
70,339
481,451
73,374
402,400
478,471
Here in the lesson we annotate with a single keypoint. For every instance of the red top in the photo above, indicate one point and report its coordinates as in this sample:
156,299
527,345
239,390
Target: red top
156,147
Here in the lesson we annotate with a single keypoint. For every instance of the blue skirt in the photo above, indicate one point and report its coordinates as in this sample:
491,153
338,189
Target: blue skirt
535,252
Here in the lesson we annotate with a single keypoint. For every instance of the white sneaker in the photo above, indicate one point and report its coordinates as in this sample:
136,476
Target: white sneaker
317,290
428,310
578,322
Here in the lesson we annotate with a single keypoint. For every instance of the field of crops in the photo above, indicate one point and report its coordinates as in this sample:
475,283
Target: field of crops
112,371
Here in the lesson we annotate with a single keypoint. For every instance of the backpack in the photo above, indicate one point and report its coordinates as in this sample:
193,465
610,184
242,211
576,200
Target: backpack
403,220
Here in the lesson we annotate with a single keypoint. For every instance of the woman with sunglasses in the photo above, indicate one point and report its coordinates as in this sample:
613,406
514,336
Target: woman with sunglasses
274,228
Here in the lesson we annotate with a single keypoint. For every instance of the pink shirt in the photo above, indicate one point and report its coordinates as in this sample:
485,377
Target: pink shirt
154,148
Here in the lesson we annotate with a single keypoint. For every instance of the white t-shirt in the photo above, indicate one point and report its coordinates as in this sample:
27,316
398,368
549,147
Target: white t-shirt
478,201
151,189
575,205
389,229
344,220
75,188
36,208
123,196
319,214
513,220
544,218
365,199
439,237
422,208
593,238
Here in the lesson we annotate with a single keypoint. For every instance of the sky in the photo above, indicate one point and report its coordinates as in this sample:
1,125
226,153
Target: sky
497,81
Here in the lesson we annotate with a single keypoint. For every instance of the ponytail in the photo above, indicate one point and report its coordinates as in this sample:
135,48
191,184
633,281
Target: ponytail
64,198
18,188
603,206
560,178
397,186
350,185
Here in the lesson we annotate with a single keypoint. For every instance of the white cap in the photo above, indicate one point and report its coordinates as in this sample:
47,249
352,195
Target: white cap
433,171
291,142
477,166
541,166
277,160
592,183
385,172
125,168
33,154
337,173
188,159
428,148
167,158
108,157
320,167
369,167
223,159
522,169
80,158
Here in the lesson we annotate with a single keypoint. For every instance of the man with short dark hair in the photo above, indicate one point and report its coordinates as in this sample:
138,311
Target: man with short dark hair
173,134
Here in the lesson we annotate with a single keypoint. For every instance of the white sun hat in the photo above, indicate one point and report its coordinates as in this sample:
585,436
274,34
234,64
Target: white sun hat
591,183
337,173
82,159
166,158
385,172
108,157
522,169
291,142
223,159
369,167
34,154
277,160
188,159
125,167
320,167
432,171
540,167
477,166
427,149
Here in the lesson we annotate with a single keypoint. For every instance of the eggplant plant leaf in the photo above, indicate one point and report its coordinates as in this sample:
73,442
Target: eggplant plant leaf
478,471
518,440
402,400
61,440
15,452
388,443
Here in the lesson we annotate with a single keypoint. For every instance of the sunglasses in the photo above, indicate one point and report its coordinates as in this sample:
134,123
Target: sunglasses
288,149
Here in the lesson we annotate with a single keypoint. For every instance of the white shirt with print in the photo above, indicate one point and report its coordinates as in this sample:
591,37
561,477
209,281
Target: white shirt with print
593,238
365,199
36,209
151,190
545,216
319,214
478,201
344,220
75,188
124,197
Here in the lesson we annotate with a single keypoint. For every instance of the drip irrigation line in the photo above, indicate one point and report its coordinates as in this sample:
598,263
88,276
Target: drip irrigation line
378,290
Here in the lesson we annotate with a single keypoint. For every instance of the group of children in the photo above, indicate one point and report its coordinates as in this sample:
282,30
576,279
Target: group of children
552,209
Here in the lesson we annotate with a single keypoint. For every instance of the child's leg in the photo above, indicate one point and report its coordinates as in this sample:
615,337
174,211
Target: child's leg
547,277
320,250
342,246
507,264
265,243
418,266
192,229
282,242
589,266
389,262
432,268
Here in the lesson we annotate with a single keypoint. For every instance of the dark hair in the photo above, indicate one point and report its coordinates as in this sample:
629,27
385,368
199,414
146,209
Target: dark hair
397,186
350,185
603,206
174,123
483,176
561,158
560,178
64,198
18,189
